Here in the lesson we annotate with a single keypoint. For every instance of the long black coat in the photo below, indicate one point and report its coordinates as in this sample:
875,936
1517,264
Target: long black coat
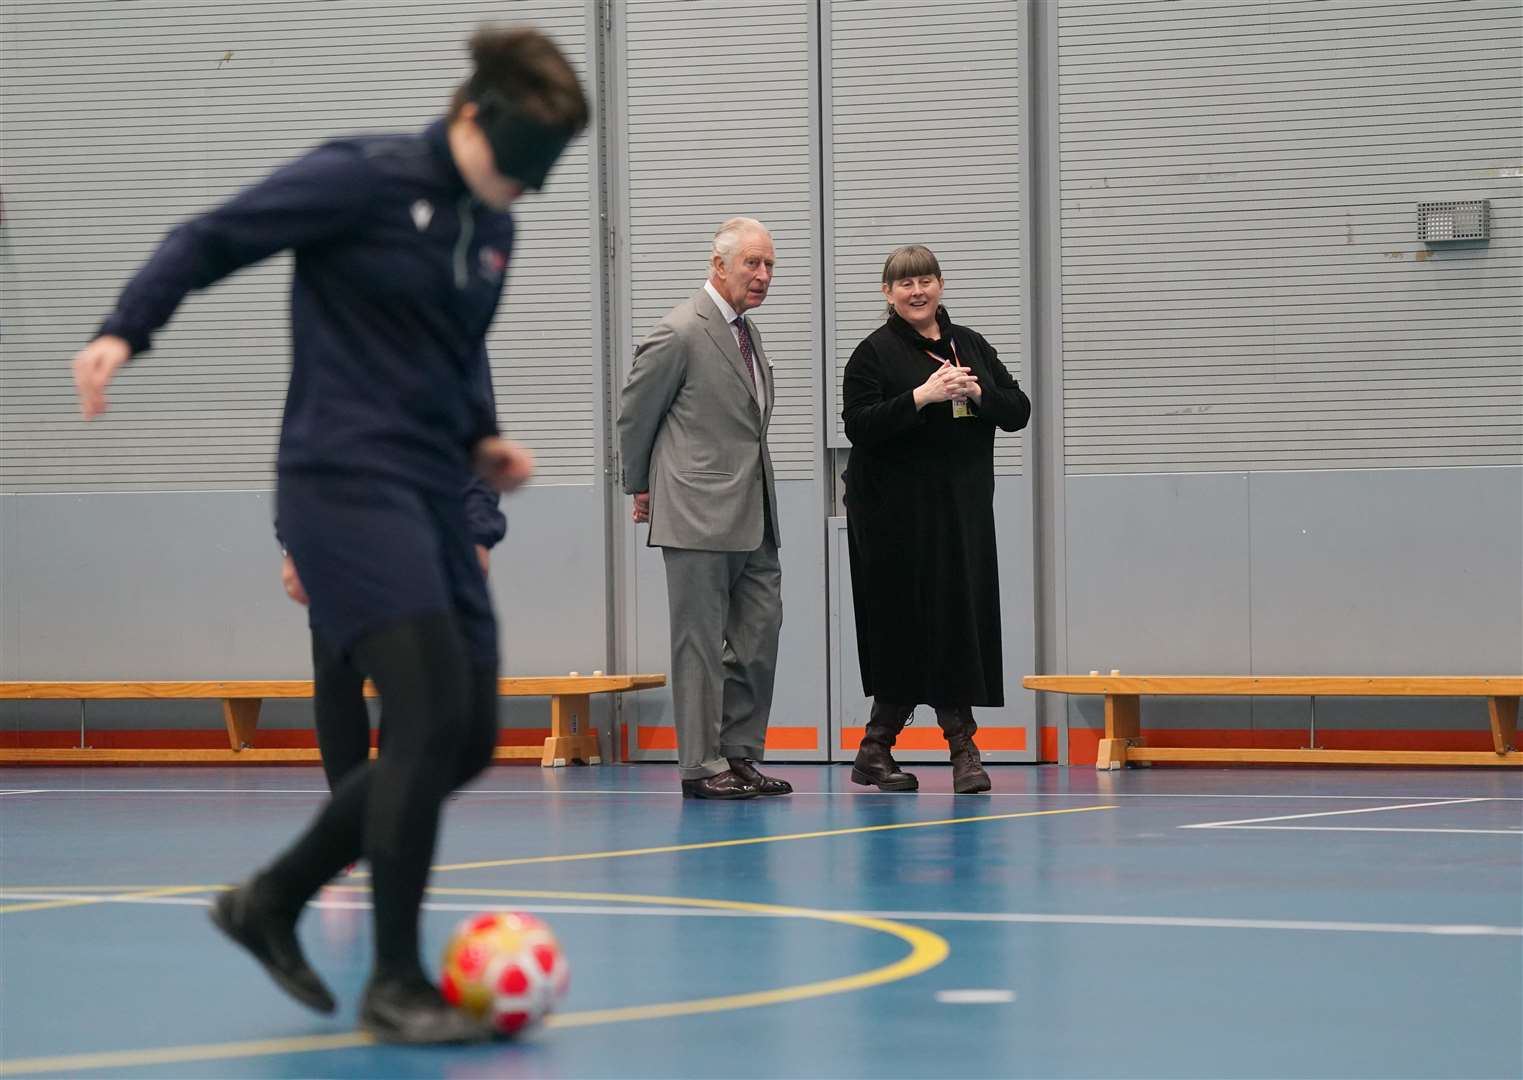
920,518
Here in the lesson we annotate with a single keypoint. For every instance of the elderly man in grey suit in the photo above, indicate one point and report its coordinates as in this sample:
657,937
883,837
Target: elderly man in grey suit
693,430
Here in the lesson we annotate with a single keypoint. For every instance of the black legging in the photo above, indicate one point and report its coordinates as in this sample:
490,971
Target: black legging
339,712
441,729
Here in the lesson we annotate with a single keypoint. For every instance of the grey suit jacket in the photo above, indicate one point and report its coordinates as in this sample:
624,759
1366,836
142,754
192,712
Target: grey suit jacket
692,434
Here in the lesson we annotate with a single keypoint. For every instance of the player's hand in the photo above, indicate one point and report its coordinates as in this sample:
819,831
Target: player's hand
94,366
292,581
484,557
641,512
503,463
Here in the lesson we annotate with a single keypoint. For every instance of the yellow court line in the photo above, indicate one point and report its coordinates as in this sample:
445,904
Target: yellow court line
128,894
538,859
77,888
174,1055
145,892
926,951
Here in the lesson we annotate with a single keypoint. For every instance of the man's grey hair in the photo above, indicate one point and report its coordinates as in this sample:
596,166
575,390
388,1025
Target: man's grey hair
727,239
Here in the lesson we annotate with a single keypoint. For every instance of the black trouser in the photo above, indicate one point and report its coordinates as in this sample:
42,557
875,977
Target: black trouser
441,728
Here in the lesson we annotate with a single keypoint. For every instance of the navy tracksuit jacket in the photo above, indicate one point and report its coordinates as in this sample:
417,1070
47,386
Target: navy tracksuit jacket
398,272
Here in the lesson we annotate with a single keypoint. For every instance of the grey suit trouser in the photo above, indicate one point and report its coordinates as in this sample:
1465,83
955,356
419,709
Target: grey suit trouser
726,613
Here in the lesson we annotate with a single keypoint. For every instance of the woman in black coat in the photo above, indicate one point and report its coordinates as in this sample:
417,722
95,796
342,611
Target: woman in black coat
922,397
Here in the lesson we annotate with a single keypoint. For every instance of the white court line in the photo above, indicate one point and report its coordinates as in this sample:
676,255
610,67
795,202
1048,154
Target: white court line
975,997
1354,828
1328,813
675,793
329,902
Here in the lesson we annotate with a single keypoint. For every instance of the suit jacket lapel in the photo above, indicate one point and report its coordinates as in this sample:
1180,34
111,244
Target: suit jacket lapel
723,337
764,368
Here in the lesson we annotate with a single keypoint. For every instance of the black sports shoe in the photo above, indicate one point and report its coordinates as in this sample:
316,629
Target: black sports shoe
413,1011
270,938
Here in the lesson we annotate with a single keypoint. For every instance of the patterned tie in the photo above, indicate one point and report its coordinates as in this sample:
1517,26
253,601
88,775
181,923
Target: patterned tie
746,352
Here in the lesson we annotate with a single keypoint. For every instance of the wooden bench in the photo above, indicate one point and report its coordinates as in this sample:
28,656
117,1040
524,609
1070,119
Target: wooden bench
1123,714
571,735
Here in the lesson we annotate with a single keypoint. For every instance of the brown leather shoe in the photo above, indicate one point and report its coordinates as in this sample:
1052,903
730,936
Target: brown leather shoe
746,769
875,766
725,785
968,774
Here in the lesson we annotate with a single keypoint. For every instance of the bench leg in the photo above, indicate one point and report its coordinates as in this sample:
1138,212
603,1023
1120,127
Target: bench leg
571,735
1123,728
241,715
1504,723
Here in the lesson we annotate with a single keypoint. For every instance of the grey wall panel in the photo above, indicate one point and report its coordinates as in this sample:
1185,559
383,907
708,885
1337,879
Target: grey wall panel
1014,535
151,586
1158,583
1242,284
902,167
1360,572
648,625
802,689
719,118
187,586
1250,22
122,120
1245,324
1158,574
801,698
547,582
1410,572
718,121
550,593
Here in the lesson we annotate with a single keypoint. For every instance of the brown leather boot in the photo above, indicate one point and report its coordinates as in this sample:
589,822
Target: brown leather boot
875,765
958,725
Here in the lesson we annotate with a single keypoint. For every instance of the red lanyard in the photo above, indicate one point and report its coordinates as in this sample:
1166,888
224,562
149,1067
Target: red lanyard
960,408
942,360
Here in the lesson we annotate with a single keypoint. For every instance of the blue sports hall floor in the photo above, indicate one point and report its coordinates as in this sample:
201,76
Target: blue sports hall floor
1245,922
